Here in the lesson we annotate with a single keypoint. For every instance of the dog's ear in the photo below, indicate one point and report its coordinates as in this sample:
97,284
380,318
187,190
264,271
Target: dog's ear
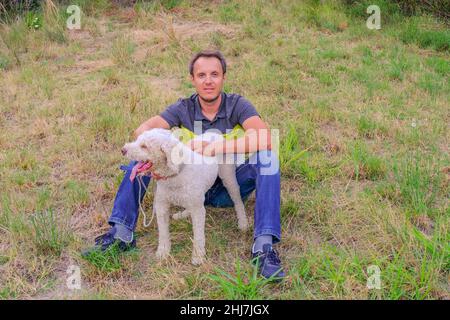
171,152
149,142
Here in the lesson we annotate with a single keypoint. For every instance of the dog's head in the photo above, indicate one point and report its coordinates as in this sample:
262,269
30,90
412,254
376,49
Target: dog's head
154,146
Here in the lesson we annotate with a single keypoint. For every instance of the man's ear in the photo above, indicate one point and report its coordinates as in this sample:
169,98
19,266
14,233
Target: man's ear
171,152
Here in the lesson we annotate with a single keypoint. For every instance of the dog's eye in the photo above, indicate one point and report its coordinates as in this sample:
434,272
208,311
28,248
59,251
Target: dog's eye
143,146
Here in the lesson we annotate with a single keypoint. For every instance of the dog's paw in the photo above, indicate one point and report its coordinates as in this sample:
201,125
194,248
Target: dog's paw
198,255
162,253
181,215
198,260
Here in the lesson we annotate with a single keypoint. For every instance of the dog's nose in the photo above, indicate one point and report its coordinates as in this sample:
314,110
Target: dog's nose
124,151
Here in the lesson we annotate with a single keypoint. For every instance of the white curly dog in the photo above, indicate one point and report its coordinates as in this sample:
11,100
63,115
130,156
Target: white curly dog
188,175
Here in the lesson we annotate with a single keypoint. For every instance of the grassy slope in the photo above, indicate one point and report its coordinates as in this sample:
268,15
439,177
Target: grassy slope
371,189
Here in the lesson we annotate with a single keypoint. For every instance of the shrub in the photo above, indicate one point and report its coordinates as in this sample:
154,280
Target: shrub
33,20
9,9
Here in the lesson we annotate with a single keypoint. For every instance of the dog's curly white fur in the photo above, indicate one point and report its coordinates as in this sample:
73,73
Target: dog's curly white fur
189,176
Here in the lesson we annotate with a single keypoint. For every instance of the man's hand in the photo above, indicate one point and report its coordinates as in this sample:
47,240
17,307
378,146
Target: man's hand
203,147
149,172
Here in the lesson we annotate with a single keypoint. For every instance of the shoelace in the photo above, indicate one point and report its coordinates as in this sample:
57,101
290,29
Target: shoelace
106,236
272,256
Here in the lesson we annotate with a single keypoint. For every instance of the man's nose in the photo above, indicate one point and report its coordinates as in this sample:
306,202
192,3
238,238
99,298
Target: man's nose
208,79
124,151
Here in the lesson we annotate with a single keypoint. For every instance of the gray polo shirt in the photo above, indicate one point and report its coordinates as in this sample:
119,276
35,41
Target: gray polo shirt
234,109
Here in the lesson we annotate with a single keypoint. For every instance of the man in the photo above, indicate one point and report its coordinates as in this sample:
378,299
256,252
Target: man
211,108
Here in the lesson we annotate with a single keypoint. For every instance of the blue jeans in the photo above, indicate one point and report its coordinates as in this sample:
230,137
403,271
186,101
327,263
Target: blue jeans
261,172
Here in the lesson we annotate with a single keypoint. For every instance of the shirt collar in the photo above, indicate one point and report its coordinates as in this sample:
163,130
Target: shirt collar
220,114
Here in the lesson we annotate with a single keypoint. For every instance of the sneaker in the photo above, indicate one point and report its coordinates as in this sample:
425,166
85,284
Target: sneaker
269,264
105,241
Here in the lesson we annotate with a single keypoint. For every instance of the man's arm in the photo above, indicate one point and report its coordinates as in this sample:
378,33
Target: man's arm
153,122
257,137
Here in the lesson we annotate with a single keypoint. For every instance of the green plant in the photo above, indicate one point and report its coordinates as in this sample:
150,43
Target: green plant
111,76
122,50
289,149
417,182
54,22
14,36
365,165
390,11
4,62
399,64
329,268
92,7
438,40
430,84
50,235
33,20
170,4
325,15
10,10
75,193
109,260
229,12
242,286
290,208
367,127
439,65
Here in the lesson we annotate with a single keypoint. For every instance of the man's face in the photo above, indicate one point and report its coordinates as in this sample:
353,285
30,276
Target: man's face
208,78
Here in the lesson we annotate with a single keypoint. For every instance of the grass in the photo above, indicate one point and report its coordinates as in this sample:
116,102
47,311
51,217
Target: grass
369,128
366,165
326,15
109,261
240,285
14,38
289,150
418,183
363,150
435,39
50,236
122,50
4,62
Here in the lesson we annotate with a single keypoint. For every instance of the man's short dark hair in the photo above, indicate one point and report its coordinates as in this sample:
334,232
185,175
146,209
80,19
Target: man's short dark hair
208,54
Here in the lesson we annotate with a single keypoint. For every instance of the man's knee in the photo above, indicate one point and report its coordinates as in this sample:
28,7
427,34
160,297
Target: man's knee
266,161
